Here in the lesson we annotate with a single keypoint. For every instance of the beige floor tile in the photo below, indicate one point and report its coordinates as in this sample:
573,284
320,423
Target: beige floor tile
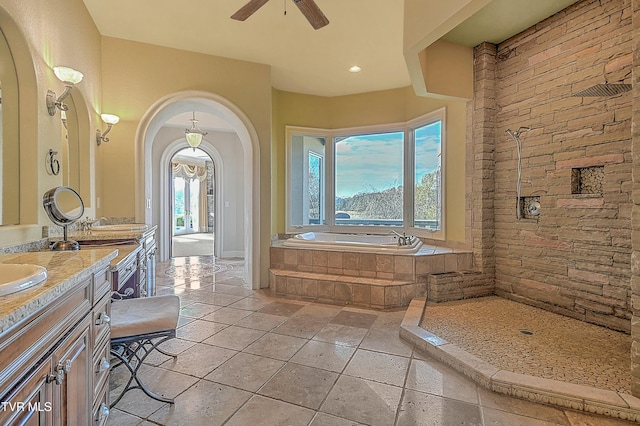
120,418
197,310
281,308
498,418
236,338
259,321
199,360
378,367
136,404
300,385
227,315
583,419
276,346
184,321
173,346
299,327
521,407
323,419
363,401
327,356
250,304
219,299
233,290
424,409
354,319
205,403
388,321
386,341
245,371
265,411
318,312
199,330
341,334
436,378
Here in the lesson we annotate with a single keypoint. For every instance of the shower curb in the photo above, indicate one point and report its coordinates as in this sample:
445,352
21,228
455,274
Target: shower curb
545,391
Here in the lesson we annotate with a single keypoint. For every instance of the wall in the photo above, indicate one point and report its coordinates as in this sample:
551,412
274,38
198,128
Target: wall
387,106
138,75
575,259
41,36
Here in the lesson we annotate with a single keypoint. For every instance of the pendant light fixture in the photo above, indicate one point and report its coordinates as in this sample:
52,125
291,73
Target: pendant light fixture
194,134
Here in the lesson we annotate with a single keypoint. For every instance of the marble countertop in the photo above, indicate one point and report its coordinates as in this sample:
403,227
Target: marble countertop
65,270
107,236
124,251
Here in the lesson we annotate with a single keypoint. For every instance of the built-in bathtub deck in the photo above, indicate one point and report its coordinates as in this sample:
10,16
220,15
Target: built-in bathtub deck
565,362
372,280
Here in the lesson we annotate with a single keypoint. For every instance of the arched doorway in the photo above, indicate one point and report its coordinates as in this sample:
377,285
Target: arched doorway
149,188
192,203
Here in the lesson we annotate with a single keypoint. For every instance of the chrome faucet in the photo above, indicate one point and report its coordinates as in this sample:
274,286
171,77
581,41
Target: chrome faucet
403,240
87,223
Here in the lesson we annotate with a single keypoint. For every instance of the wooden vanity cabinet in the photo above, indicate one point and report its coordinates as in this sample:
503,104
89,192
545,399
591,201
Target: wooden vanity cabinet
47,374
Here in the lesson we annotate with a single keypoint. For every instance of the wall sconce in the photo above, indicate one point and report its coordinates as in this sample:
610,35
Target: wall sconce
110,120
69,77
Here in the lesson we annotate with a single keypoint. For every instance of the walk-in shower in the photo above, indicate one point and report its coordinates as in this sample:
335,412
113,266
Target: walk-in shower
516,137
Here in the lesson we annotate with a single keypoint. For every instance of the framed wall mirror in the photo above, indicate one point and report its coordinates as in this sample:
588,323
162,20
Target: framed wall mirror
75,142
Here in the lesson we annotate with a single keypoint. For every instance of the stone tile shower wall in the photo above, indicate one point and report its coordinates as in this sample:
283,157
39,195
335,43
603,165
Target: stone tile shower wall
575,258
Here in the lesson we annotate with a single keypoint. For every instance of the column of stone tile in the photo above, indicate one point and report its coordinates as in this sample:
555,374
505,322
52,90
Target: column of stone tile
480,160
635,216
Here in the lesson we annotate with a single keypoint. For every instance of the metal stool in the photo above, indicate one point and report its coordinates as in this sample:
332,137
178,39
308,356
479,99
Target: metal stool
138,326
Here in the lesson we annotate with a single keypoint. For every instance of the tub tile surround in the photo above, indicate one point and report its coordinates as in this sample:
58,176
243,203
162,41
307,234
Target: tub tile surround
378,281
618,405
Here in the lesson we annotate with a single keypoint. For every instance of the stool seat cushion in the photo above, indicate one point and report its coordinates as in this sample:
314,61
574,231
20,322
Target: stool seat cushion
133,317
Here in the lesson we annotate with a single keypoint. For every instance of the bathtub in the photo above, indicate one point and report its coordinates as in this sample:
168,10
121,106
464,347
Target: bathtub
361,243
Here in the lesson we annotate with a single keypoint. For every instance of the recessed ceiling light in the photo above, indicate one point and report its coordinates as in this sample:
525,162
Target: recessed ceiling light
355,68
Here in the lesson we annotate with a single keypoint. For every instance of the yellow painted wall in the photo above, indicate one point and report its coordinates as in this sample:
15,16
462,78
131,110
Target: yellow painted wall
387,106
43,34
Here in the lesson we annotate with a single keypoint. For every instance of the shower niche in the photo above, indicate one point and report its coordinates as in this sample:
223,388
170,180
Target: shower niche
529,207
587,181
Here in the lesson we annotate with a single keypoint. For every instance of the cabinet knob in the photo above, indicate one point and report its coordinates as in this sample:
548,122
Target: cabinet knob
103,319
104,365
58,374
104,413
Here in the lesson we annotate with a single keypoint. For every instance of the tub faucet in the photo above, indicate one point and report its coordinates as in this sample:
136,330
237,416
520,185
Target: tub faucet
87,223
403,240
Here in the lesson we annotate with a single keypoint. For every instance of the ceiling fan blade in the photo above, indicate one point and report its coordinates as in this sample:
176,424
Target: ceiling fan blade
248,9
312,12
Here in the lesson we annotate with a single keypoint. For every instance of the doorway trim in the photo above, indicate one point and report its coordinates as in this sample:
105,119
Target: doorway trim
149,125
165,227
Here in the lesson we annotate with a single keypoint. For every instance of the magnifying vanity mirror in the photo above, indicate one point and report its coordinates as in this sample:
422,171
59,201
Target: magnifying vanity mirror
63,206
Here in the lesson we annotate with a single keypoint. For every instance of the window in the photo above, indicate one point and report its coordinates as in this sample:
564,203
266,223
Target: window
372,179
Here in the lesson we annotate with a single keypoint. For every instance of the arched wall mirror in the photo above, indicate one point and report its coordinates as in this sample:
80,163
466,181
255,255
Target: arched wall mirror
75,147
9,138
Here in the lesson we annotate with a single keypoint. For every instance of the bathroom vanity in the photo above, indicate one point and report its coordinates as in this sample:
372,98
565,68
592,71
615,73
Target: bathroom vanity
133,270
54,341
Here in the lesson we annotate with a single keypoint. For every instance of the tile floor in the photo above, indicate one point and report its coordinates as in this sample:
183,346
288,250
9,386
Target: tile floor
246,358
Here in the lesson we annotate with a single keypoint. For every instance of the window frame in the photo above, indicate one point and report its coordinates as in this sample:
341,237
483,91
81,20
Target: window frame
328,201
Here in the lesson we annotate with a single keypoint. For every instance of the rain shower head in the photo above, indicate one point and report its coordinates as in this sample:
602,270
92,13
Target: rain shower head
606,89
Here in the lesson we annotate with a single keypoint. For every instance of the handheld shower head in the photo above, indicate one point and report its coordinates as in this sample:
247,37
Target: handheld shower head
522,129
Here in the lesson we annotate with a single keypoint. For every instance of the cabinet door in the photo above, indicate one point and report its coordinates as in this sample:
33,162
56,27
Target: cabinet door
30,403
73,395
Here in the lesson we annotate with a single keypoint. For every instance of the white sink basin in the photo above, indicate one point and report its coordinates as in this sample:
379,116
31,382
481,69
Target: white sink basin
17,277
122,227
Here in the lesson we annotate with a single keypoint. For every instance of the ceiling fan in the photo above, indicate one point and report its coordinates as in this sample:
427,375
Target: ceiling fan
309,9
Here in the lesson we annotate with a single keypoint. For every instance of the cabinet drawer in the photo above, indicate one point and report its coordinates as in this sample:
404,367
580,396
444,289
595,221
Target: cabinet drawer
101,367
34,390
101,284
101,319
101,407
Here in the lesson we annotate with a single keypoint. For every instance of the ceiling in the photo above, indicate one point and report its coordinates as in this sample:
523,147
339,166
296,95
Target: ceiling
368,33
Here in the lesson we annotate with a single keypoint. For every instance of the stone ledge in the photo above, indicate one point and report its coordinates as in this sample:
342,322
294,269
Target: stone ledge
535,389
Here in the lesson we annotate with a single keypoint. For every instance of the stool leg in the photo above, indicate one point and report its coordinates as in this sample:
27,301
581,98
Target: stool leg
127,356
